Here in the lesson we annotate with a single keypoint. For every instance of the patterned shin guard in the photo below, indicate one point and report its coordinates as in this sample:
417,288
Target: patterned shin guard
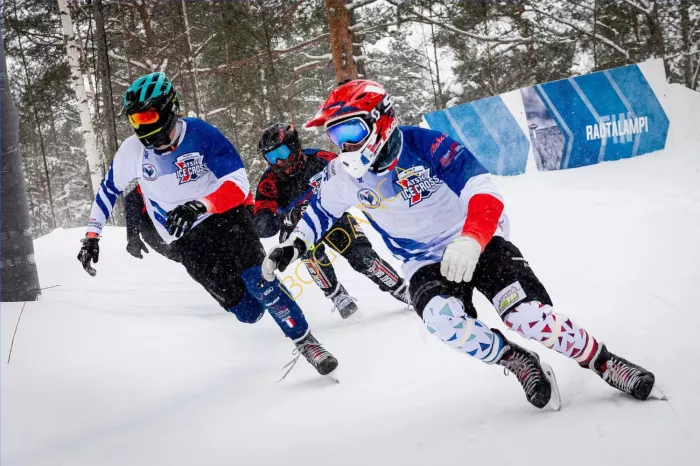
445,318
538,322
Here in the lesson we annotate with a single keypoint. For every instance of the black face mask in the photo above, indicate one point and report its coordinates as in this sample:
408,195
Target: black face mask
388,153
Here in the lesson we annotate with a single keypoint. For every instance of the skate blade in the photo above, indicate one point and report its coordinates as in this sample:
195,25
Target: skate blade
555,399
333,375
355,318
657,394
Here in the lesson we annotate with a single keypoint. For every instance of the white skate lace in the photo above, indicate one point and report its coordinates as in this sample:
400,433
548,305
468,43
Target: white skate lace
524,369
312,350
620,375
341,301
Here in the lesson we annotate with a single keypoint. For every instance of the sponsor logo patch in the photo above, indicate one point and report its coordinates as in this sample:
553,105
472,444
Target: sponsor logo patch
190,167
369,198
315,181
446,159
417,184
508,297
150,172
434,146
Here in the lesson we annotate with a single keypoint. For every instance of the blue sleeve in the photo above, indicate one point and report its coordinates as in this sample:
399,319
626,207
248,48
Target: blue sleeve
450,161
220,156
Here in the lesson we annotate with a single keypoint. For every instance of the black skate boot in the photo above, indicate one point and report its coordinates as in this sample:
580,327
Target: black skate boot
622,374
537,379
314,352
343,302
401,293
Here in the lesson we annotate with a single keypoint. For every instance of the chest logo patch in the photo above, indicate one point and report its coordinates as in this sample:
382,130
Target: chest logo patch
150,172
190,167
315,181
369,198
416,184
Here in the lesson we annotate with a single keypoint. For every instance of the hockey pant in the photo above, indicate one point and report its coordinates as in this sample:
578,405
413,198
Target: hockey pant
506,279
347,238
224,255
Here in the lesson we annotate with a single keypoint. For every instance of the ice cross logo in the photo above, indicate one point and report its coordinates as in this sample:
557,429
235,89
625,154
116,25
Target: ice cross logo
417,184
315,181
190,167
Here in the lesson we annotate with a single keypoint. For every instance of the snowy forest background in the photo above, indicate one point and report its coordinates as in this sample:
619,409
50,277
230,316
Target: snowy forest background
239,64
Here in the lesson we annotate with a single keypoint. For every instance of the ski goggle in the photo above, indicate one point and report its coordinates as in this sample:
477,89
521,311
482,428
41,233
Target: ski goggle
148,117
279,153
348,133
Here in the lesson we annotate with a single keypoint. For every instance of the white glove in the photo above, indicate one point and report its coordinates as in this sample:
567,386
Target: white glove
280,256
460,258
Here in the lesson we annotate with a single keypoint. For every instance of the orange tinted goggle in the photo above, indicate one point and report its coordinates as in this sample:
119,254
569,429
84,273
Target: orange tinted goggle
143,118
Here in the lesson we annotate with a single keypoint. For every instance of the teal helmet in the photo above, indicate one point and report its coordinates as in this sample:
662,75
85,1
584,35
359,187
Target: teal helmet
151,106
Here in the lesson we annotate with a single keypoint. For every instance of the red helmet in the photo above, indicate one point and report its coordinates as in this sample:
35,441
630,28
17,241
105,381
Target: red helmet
359,119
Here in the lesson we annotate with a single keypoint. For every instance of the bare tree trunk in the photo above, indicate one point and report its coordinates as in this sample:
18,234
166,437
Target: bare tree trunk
111,144
441,96
193,65
685,40
341,40
20,280
93,156
357,49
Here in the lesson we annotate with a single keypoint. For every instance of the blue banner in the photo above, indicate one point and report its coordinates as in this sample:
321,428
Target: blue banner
608,115
488,129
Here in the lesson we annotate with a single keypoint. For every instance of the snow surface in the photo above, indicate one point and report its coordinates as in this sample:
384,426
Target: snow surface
138,366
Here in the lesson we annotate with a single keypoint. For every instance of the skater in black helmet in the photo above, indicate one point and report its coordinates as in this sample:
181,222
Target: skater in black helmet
292,177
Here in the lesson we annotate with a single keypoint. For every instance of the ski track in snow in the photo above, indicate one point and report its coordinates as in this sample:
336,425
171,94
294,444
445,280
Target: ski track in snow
138,366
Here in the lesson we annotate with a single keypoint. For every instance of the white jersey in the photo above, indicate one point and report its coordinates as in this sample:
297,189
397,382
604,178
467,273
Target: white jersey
202,161
419,208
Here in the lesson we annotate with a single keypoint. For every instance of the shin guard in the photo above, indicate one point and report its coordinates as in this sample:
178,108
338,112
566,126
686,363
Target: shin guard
445,318
539,322
274,297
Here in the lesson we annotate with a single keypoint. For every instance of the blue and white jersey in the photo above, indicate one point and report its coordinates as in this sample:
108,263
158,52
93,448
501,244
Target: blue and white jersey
419,207
202,161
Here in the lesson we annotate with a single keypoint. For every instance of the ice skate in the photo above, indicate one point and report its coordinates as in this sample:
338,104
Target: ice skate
623,375
537,379
314,352
343,302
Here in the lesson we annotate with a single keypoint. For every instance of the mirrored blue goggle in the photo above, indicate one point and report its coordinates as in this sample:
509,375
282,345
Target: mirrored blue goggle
278,153
352,131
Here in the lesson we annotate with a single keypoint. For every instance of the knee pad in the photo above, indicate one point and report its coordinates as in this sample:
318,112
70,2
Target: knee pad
360,257
445,318
423,291
539,322
248,310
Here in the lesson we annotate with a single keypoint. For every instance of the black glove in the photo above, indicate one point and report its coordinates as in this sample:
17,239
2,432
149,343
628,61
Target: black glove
294,215
134,246
89,252
280,256
182,217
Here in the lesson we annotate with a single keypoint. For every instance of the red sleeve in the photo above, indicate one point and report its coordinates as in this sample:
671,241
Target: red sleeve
249,200
483,213
228,196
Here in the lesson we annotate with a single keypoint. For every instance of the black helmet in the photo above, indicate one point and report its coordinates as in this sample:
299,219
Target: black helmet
153,92
287,159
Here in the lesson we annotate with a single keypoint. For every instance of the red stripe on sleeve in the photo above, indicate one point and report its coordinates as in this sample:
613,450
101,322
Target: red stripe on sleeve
483,213
262,205
228,196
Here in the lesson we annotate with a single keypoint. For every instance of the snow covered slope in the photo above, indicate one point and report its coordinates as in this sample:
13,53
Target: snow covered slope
138,366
